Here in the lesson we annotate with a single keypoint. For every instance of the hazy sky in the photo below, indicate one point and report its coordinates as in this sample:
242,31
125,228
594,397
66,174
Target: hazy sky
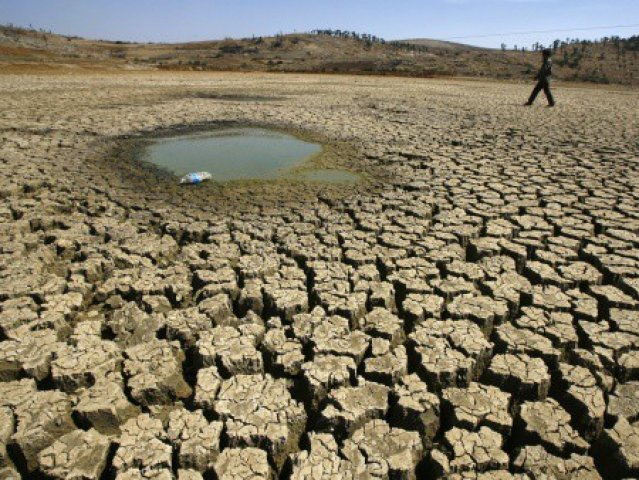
185,20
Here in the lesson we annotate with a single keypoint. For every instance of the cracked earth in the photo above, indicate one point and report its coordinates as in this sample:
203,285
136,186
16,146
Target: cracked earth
470,310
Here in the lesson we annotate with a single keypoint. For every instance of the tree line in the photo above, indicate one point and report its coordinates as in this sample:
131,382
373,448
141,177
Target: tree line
368,39
631,43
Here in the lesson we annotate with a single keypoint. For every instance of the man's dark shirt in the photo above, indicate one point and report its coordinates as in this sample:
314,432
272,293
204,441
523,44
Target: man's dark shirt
545,72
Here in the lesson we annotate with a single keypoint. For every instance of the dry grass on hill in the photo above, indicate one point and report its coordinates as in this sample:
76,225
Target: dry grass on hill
21,50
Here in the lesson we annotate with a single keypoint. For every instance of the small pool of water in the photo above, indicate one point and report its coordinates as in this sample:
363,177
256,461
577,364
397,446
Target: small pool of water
241,154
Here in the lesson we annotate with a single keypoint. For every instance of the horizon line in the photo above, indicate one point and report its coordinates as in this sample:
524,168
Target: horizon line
295,32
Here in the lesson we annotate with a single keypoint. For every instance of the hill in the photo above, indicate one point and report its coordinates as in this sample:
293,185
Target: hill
323,51
440,44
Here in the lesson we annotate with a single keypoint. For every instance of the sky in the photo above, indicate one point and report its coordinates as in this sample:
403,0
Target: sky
465,21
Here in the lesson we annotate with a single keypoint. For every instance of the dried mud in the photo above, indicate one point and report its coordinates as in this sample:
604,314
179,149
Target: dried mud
469,310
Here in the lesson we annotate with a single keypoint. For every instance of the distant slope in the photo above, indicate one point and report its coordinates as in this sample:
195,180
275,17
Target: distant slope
441,44
23,50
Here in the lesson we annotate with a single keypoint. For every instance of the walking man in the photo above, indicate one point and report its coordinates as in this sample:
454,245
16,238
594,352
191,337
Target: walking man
543,80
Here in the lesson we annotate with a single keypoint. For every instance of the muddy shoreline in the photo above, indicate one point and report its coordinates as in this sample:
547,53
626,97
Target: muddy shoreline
123,154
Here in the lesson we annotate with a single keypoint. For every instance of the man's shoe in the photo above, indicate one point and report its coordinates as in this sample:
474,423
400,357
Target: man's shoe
527,104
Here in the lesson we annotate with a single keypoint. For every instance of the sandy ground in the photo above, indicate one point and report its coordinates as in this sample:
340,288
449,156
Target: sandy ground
470,311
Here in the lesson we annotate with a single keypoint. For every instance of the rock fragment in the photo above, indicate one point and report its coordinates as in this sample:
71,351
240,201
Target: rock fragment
209,283
550,298
539,272
17,392
324,373
207,387
143,448
386,452
131,326
624,320
219,308
348,408
520,375
322,461
76,455
9,473
104,407
449,353
583,398
624,402
232,350
154,372
243,464
611,297
284,354
417,307
333,336
415,408
548,424
581,273
186,325
584,306
388,367
619,449
41,420
196,441
30,355
383,324
556,326
629,365
187,474
382,295
536,462
258,411
7,426
469,453
513,340
83,364
482,310
476,406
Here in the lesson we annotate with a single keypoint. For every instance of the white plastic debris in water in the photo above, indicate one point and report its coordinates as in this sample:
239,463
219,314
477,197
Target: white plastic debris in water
196,177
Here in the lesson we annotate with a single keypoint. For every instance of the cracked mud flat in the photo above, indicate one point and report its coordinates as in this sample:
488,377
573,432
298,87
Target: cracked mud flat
469,311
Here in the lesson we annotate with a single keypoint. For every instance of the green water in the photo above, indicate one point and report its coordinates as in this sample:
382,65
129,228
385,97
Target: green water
240,154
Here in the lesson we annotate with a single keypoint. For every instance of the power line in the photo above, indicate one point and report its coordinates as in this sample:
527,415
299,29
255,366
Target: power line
544,31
